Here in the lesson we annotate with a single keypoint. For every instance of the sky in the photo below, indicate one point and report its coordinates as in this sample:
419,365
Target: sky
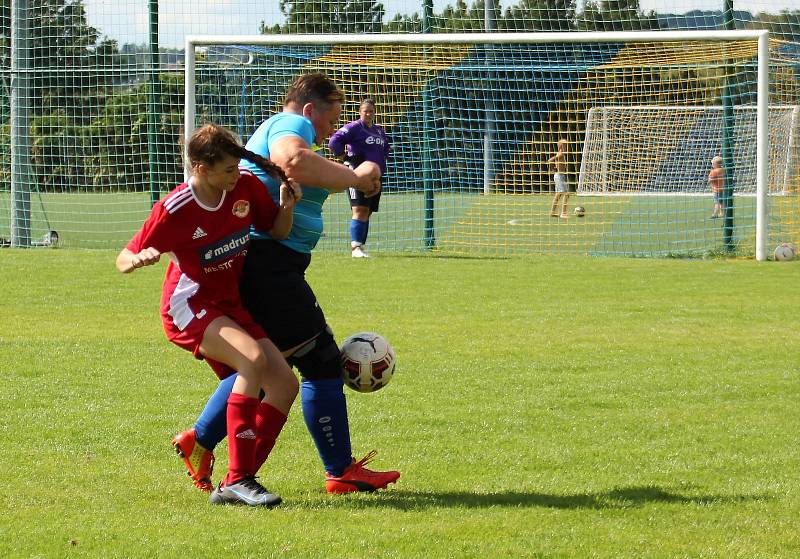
127,20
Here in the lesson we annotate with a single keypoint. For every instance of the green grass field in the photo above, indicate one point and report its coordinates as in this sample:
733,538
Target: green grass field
464,223
542,407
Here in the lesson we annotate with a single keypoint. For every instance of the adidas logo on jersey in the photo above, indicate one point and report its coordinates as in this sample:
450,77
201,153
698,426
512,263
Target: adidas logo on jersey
198,233
248,434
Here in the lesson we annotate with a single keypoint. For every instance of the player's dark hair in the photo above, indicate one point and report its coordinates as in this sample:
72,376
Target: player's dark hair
313,88
368,101
210,143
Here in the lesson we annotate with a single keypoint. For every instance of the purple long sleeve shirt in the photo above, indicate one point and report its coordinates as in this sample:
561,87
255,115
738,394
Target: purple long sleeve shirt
360,143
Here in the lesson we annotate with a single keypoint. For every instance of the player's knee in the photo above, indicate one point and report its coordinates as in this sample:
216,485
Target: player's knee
251,363
289,382
319,358
277,374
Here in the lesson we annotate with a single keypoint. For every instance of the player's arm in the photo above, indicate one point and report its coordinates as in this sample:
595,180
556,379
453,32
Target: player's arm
387,143
301,164
367,170
128,261
338,142
140,250
290,194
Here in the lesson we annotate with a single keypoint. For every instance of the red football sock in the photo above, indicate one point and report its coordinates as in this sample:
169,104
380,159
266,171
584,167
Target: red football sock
241,417
269,422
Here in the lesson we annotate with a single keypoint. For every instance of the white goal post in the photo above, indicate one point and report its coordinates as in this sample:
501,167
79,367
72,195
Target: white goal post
193,42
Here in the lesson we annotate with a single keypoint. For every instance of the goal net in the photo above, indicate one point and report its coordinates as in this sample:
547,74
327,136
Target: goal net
668,149
475,121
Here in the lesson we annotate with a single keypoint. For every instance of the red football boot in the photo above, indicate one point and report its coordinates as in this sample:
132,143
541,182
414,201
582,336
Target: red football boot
358,478
199,461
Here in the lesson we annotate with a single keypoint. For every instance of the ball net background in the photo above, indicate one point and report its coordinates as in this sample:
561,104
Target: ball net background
472,125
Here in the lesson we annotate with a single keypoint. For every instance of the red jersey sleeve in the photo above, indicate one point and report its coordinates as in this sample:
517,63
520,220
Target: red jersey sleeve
154,232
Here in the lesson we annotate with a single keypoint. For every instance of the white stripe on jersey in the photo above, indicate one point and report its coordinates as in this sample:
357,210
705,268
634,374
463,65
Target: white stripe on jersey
179,309
178,199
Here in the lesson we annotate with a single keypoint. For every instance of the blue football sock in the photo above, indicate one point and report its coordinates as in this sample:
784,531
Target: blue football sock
358,231
212,425
325,414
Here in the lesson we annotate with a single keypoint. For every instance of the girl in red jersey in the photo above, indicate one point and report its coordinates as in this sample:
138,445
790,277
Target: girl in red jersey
204,225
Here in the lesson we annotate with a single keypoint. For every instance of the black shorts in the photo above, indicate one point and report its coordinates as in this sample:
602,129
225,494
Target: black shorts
357,198
275,291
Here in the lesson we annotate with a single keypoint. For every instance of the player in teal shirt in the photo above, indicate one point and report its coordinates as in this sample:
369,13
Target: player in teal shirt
308,212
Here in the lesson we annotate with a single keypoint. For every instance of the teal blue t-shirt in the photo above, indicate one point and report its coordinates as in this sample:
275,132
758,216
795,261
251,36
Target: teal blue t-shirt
307,227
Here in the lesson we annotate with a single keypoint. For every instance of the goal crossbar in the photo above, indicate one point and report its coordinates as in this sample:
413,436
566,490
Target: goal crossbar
468,38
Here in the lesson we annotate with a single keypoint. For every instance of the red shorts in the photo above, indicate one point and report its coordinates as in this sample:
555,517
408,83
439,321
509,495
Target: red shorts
191,336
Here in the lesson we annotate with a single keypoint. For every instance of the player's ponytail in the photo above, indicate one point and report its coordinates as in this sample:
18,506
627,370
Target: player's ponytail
264,164
211,142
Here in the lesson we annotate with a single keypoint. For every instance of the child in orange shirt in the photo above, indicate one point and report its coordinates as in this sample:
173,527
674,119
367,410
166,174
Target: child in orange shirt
716,180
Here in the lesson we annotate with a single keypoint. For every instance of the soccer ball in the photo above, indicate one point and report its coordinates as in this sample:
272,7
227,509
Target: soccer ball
580,211
785,252
368,362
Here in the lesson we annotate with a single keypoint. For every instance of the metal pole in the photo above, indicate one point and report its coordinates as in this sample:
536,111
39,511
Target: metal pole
188,101
728,131
490,25
20,126
473,38
429,234
152,105
762,149
788,171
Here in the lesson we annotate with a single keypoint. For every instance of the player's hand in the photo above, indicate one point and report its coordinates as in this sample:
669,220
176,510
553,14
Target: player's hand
373,191
369,178
145,257
290,194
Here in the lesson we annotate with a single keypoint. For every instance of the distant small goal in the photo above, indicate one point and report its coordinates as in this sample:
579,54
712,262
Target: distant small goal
667,150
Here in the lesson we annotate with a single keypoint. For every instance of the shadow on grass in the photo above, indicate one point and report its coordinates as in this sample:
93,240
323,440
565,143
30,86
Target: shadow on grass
619,498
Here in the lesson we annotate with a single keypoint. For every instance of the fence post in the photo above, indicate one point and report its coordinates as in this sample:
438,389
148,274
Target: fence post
20,126
152,105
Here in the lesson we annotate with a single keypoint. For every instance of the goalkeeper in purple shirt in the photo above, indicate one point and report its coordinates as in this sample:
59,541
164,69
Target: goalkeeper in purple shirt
359,141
